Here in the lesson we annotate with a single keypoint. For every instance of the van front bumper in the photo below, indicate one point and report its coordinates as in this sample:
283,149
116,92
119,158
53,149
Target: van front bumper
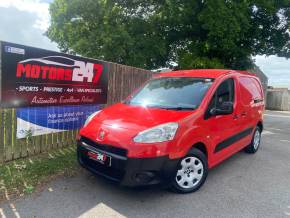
127,171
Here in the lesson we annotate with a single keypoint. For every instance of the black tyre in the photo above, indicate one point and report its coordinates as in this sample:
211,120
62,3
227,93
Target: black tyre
255,143
191,172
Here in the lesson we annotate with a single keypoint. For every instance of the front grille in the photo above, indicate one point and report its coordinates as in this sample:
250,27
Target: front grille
114,150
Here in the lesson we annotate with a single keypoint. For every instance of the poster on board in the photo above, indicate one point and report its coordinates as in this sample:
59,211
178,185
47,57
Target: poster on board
32,77
36,121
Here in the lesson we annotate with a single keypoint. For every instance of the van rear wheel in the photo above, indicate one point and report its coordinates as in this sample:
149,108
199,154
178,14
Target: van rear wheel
255,143
191,172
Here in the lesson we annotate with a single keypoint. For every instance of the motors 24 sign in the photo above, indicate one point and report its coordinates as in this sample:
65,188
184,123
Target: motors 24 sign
37,77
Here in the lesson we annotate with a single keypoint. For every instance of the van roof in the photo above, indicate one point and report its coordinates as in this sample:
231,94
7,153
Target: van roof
202,73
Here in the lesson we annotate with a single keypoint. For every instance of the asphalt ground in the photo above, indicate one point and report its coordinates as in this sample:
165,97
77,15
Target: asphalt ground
242,186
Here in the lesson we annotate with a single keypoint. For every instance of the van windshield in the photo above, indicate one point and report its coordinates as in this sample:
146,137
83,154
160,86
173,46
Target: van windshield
172,93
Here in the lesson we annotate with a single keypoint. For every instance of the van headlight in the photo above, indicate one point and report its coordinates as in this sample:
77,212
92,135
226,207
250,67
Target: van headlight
91,117
160,133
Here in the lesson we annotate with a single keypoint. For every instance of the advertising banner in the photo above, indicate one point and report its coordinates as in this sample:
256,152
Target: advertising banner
36,121
36,77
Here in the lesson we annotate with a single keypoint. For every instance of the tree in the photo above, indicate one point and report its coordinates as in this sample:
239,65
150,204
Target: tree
157,33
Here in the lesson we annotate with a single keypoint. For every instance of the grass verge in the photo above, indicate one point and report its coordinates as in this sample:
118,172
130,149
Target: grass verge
25,175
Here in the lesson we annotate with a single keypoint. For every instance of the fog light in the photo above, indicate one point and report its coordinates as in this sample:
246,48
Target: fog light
144,177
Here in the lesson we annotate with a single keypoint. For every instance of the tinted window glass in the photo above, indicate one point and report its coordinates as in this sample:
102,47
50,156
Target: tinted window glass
250,89
171,93
224,93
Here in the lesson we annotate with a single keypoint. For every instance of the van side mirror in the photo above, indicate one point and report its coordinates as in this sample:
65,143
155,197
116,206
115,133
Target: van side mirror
224,109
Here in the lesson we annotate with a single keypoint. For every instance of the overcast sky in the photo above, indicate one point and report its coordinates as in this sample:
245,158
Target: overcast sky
25,21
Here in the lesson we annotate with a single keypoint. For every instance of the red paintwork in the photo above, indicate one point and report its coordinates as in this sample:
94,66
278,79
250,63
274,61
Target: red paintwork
121,122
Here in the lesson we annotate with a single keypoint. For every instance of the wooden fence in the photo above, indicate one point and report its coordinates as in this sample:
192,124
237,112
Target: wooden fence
122,81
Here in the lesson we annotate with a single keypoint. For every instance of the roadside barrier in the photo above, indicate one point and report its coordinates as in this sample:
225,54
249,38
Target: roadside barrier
278,99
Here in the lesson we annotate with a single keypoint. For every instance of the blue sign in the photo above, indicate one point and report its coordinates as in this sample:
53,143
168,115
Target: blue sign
44,120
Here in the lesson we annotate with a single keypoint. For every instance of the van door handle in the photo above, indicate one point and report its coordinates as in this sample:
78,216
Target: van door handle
257,101
243,114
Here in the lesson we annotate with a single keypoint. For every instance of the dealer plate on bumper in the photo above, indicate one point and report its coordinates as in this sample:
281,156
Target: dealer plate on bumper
100,157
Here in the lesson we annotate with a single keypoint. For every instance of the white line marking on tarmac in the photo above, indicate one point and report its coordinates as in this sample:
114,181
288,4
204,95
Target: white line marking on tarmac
287,213
2,213
275,129
284,112
274,115
266,132
102,210
284,140
14,210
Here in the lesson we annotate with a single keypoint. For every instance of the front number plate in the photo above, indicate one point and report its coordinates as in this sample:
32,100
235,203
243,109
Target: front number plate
100,157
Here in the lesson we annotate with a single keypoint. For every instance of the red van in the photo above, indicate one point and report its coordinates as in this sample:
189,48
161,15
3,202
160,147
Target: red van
174,128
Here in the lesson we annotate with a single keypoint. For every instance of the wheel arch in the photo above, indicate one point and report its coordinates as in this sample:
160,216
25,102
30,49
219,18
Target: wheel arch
202,147
260,124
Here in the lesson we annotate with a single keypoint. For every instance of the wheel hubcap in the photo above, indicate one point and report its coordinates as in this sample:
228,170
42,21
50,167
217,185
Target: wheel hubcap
257,139
190,172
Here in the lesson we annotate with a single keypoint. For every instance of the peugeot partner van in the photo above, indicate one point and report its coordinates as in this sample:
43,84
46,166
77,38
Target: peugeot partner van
175,128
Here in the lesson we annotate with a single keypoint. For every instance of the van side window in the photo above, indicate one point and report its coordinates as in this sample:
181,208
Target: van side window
224,93
250,89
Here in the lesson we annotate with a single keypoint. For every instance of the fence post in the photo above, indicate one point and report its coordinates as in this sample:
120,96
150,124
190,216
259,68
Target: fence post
8,134
16,142
1,137
1,115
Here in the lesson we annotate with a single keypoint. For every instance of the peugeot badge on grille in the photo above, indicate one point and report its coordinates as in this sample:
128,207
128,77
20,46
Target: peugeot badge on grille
101,135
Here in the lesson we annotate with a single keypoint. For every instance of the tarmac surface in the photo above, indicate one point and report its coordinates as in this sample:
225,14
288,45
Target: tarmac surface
243,186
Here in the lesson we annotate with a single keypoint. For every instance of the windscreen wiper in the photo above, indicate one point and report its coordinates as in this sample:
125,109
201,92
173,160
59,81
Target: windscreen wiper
179,108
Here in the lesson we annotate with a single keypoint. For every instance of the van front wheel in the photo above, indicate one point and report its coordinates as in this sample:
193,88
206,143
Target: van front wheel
191,172
255,143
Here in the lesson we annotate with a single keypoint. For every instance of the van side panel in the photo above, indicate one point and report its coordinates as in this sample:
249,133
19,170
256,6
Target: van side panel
252,103
248,113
